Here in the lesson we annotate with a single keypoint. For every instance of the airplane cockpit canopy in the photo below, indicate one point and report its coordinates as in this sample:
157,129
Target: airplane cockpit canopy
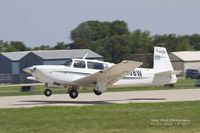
83,64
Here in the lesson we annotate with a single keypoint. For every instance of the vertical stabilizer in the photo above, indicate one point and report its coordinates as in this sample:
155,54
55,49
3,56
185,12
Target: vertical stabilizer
161,60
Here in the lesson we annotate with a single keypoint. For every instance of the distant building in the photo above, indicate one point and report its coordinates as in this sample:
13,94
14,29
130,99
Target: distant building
184,60
13,63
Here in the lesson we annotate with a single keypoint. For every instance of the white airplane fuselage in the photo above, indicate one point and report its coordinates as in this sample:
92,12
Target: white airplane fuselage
64,75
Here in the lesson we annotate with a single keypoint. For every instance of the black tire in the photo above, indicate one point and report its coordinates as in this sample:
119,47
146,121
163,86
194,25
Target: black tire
73,94
97,92
47,92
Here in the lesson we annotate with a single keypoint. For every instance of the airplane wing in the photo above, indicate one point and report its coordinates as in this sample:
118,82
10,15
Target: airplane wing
110,75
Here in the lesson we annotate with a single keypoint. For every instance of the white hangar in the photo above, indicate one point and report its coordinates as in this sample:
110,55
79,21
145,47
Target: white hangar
184,60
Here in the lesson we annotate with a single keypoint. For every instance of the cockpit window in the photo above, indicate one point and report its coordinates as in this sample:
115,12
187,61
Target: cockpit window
79,64
95,65
68,63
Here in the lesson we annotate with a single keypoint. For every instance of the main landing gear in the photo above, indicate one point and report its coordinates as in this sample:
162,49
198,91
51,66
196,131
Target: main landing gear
47,92
97,92
73,92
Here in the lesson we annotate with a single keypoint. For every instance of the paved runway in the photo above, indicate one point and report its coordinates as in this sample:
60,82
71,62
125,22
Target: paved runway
105,98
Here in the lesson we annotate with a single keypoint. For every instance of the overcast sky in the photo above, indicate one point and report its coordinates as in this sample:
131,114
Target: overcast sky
37,22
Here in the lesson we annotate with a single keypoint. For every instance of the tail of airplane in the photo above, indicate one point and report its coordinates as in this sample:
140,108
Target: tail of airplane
164,72
161,60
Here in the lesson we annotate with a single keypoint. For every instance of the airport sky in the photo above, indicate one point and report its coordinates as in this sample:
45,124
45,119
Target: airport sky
37,22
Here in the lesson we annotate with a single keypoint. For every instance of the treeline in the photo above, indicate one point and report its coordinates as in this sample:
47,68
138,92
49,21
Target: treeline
115,41
13,46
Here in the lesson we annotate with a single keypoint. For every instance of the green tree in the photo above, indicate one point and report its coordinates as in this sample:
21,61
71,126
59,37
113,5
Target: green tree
109,39
170,41
173,42
42,47
2,47
18,46
114,49
140,39
61,45
140,44
118,28
87,33
183,44
12,46
194,41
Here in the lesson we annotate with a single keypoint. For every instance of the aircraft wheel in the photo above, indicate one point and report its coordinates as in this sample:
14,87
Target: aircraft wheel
97,92
73,93
47,92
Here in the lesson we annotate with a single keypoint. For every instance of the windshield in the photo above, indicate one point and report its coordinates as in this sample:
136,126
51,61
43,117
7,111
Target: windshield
68,63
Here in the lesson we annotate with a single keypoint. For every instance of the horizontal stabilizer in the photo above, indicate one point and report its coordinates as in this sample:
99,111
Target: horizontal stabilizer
163,77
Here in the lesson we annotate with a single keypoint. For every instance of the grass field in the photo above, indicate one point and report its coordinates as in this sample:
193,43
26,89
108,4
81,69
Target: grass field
15,90
177,117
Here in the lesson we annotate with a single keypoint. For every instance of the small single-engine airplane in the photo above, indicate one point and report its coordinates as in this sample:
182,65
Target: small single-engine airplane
101,75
